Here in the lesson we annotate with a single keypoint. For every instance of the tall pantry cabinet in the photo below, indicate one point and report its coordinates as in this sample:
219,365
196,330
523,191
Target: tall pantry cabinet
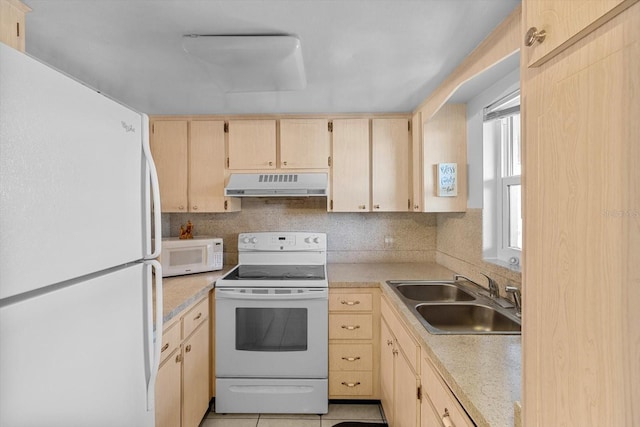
581,181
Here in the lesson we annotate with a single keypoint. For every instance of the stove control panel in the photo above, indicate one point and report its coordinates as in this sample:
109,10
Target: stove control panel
282,241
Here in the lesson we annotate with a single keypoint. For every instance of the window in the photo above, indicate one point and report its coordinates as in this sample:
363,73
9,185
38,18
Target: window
503,189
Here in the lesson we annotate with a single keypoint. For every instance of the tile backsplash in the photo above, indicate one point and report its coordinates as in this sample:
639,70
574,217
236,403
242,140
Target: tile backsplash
352,237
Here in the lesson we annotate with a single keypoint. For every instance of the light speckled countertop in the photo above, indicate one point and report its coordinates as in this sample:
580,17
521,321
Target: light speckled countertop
483,371
180,292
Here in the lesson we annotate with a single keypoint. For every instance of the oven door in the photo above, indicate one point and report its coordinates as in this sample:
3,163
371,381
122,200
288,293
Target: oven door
272,332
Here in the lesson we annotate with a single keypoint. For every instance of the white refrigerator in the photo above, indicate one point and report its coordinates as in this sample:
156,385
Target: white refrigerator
78,207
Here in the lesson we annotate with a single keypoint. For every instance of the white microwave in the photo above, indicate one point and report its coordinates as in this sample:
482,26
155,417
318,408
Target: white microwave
188,256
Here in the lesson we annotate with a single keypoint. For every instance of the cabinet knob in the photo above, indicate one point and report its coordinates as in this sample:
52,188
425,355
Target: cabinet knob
195,208
284,163
362,207
416,207
389,342
270,163
533,36
395,351
346,384
198,316
179,358
376,206
181,207
164,347
446,418
187,349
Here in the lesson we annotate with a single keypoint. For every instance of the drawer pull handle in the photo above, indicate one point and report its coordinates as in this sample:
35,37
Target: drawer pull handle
188,349
198,316
349,302
164,347
446,419
351,385
351,359
350,328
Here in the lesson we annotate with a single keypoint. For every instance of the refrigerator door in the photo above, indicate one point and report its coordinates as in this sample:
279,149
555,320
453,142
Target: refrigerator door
79,355
73,178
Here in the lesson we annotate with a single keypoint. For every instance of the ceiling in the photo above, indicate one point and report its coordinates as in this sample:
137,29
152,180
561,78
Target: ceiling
359,55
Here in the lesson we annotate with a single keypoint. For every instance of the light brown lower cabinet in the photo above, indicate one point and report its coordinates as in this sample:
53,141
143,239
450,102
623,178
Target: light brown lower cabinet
399,381
439,406
353,337
182,388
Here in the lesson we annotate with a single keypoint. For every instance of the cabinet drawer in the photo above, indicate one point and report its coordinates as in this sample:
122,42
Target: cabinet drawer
170,341
350,357
195,317
350,326
406,342
441,397
350,302
350,383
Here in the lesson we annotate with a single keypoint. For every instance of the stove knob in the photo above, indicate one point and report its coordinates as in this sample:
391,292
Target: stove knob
316,240
307,239
245,240
254,240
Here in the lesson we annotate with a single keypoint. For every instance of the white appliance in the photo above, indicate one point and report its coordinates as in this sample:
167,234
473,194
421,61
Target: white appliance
272,353
76,300
188,256
277,185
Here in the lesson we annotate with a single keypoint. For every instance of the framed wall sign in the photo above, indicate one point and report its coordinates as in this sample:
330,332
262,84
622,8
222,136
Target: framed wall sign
447,179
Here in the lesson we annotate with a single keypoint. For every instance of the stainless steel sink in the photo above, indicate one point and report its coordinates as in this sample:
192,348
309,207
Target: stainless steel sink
466,319
434,292
457,307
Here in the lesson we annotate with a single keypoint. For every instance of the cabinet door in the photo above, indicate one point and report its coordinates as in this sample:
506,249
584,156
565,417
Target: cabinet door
252,144
167,399
12,28
386,371
580,114
304,144
406,400
169,150
390,161
206,166
565,22
417,172
350,165
195,377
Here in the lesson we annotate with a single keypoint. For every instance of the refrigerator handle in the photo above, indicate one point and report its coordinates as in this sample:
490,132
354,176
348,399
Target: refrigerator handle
155,190
154,331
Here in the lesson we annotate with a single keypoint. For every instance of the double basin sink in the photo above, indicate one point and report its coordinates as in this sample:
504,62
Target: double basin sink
455,307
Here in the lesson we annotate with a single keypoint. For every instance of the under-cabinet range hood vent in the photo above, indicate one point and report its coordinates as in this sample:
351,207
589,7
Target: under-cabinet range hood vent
276,185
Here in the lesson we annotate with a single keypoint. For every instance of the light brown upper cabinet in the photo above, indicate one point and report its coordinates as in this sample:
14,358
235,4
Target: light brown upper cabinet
304,144
169,147
12,23
445,141
189,156
350,166
252,144
390,141
416,163
552,26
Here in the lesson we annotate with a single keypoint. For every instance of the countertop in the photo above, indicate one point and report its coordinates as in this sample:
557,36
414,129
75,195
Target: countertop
483,371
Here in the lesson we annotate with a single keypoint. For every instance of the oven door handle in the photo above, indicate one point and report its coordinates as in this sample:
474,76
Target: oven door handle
230,294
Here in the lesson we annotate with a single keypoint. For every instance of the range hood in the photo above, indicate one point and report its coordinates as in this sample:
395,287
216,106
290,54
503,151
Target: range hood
276,185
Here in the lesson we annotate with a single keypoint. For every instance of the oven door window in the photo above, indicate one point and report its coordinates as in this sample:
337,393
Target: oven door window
271,329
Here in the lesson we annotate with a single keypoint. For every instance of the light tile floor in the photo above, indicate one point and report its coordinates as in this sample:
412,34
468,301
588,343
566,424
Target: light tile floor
338,412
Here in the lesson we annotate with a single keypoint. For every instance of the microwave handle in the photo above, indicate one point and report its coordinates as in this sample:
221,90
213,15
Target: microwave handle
155,192
232,294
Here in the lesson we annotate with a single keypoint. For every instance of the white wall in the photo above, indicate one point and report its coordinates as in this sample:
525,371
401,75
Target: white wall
502,87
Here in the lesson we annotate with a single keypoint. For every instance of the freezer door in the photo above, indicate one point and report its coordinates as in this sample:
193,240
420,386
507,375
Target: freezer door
79,355
73,178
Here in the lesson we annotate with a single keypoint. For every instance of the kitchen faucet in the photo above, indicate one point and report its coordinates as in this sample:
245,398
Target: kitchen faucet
517,298
494,290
